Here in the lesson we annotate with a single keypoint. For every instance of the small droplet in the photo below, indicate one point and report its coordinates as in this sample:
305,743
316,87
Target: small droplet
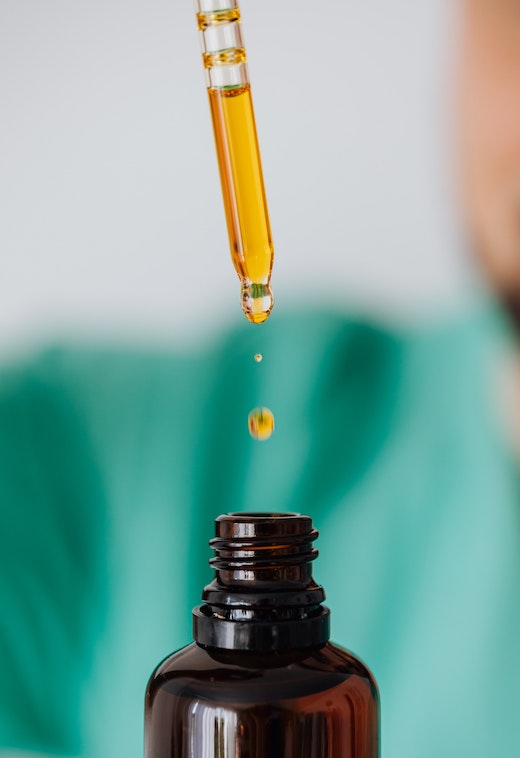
261,423
258,357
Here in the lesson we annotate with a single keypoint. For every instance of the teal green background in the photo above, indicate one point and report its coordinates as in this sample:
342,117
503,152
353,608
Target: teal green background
114,463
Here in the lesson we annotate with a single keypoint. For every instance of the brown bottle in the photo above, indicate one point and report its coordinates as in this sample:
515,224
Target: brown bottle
261,679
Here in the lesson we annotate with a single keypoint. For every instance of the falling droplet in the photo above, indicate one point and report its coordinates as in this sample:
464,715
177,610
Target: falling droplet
261,423
258,357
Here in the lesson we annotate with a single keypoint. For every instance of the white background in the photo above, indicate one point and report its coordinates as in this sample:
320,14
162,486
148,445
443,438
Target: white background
111,218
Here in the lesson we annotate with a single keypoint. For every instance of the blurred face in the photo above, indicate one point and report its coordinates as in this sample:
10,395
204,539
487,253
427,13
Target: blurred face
490,137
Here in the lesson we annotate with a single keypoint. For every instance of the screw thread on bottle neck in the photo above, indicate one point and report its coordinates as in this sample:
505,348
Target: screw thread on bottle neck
263,595
264,550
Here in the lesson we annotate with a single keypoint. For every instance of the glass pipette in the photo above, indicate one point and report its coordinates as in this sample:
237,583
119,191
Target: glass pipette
240,166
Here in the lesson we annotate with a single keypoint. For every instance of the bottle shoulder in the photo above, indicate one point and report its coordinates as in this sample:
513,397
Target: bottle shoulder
340,658
195,669
343,660
185,658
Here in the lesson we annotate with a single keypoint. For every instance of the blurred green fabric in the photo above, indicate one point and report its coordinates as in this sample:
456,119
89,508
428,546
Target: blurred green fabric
114,463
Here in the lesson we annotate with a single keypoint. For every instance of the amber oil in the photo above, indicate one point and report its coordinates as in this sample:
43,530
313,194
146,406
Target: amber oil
243,191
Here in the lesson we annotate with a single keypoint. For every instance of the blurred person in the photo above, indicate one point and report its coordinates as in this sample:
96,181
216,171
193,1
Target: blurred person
489,141
401,443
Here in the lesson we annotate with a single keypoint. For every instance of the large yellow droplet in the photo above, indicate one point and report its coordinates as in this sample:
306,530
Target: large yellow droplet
261,423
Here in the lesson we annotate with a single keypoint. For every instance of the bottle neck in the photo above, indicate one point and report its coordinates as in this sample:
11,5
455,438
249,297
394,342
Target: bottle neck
263,597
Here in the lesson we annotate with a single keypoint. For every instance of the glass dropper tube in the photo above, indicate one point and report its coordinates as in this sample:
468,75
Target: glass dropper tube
238,154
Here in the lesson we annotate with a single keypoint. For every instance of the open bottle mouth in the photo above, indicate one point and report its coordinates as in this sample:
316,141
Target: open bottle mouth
263,595
258,516
263,547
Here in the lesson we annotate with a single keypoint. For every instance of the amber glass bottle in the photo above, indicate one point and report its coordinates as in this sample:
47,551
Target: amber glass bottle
261,679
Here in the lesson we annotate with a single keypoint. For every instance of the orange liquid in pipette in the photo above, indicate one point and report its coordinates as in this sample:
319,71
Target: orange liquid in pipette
245,202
